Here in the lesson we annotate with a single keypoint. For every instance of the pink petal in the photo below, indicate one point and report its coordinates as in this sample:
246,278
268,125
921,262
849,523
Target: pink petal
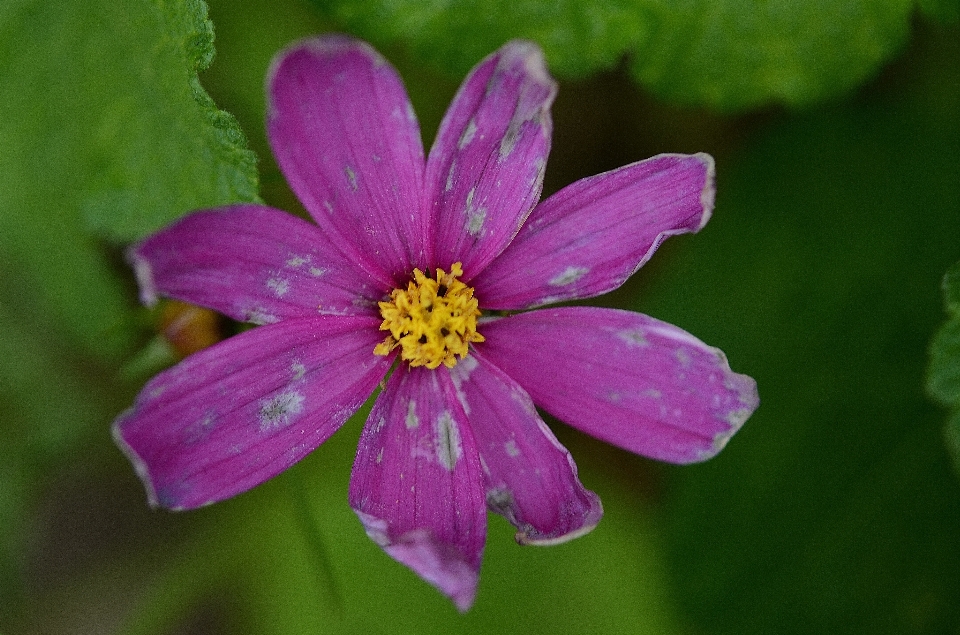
238,413
626,378
530,478
345,135
590,237
417,484
485,170
253,263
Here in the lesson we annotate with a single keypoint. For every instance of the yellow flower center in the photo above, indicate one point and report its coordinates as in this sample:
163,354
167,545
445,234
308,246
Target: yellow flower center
433,320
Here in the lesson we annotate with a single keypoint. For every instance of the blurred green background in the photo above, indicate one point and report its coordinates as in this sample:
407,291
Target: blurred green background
836,129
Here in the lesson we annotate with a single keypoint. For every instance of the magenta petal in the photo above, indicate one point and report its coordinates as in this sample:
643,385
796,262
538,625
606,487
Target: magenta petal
345,135
238,413
531,479
626,378
485,170
417,484
591,236
253,263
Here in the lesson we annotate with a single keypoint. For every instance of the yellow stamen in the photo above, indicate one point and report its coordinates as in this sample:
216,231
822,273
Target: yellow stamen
432,320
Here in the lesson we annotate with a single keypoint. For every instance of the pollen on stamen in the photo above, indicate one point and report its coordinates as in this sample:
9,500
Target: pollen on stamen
432,321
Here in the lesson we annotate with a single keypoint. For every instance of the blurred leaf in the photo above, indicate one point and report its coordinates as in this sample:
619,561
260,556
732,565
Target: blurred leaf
49,406
952,436
951,289
721,53
944,374
834,509
163,146
578,37
104,126
946,11
734,55
943,378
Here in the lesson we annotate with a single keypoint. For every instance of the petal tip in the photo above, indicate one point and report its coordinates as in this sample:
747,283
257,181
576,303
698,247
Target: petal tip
139,465
709,191
748,400
440,564
534,62
590,521
144,275
325,45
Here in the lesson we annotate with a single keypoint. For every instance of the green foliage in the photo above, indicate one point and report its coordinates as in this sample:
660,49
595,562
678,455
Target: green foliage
104,127
835,508
106,134
945,11
951,289
943,381
733,55
165,146
579,37
725,54
47,409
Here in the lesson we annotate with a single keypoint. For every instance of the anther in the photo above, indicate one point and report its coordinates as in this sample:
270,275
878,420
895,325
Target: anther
432,321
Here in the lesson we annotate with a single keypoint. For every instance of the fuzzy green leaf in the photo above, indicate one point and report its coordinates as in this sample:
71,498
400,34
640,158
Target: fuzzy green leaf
104,127
835,508
944,11
166,147
951,289
952,437
733,55
944,374
721,53
578,37
943,379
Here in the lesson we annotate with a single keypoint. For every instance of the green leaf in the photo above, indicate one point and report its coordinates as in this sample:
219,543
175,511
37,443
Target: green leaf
951,289
721,53
578,37
943,373
165,146
943,380
944,11
734,55
104,127
835,508
952,437
52,402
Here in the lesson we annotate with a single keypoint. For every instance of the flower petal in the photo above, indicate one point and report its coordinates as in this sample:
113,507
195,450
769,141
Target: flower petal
591,236
253,263
485,170
531,479
345,135
417,483
626,378
237,413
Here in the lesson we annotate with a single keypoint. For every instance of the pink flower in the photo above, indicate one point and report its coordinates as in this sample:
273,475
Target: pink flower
428,267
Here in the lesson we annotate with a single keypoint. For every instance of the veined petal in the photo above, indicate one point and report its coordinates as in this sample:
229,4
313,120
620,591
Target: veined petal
485,170
626,378
417,484
345,135
591,236
531,479
242,411
253,263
